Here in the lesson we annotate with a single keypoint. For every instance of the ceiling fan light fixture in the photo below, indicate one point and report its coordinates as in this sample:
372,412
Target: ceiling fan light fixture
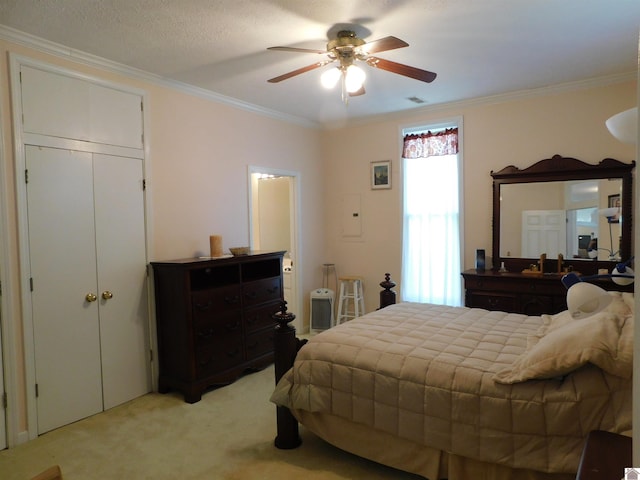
354,78
330,78
347,48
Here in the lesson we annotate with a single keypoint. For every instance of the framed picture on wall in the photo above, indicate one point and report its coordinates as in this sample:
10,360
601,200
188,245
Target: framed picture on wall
381,174
614,202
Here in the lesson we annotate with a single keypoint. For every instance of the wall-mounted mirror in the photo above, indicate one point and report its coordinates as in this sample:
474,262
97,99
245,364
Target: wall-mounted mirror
561,206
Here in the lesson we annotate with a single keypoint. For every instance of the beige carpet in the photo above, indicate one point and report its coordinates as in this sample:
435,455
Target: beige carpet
228,435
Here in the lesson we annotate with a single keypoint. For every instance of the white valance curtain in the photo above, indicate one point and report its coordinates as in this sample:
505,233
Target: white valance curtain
431,224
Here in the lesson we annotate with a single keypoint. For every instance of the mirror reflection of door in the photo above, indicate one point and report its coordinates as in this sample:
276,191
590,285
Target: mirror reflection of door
273,226
543,231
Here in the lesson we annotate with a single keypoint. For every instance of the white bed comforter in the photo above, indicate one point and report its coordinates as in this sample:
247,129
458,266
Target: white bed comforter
426,373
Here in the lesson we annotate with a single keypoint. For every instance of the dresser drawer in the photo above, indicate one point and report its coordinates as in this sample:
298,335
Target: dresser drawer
535,305
257,318
221,354
548,286
206,303
533,285
492,301
260,291
260,343
212,329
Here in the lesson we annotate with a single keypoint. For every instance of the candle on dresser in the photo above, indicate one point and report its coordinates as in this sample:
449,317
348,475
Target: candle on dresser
215,243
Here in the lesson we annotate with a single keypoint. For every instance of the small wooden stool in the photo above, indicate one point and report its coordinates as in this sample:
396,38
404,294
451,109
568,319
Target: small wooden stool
351,290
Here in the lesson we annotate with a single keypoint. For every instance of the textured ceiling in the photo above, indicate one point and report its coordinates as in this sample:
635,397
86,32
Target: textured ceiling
477,48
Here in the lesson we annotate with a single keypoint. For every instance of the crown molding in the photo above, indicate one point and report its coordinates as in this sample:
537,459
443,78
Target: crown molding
495,99
45,46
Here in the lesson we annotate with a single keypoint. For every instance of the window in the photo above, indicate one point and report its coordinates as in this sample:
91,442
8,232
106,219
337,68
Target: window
432,220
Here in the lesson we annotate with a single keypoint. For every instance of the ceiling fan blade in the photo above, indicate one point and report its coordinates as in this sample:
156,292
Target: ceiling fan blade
308,68
383,44
297,50
406,70
358,92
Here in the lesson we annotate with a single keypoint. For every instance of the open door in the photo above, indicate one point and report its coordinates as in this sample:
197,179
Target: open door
273,201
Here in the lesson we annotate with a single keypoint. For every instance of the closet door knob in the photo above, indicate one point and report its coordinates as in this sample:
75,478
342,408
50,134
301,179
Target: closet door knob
107,295
90,297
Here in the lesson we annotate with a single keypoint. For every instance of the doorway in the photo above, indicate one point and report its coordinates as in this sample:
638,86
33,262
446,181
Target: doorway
273,213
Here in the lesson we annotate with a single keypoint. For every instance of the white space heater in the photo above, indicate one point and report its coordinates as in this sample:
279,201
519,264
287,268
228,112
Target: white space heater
321,309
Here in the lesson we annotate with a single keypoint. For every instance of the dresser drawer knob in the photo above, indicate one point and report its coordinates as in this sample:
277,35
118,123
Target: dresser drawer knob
233,326
232,300
203,334
203,306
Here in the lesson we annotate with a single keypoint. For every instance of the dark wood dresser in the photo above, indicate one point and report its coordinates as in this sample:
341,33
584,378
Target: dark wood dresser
214,319
519,292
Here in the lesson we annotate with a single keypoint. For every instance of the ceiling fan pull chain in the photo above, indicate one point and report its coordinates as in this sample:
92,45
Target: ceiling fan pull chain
343,83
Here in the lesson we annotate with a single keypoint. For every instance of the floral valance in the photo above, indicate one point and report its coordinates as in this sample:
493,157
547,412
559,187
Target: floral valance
444,142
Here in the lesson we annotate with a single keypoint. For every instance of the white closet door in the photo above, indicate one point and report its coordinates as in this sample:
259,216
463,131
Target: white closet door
120,243
63,270
86,236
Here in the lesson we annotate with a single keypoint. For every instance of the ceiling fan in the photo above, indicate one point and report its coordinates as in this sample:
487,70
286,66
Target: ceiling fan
346,49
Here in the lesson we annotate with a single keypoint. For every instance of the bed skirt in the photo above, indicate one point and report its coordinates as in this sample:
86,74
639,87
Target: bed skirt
430,463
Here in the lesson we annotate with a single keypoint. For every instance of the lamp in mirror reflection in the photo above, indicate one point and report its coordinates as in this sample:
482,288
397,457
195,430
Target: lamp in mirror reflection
611,214
585,299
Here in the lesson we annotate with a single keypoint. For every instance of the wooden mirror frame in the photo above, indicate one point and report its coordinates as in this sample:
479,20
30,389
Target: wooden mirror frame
559,168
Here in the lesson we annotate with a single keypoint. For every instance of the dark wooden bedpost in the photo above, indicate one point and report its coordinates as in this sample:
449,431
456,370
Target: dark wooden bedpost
387,296
286,346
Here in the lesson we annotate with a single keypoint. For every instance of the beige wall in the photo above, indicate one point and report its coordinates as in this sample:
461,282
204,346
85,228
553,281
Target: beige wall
517,132
198,157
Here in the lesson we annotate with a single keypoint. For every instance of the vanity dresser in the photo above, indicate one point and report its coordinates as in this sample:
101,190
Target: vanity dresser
214,319
521,293
512,284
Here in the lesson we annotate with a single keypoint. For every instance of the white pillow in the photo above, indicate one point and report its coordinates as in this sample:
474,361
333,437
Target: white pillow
598,339
621,304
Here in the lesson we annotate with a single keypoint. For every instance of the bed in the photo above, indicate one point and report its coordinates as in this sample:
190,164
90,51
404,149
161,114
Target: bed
458,393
